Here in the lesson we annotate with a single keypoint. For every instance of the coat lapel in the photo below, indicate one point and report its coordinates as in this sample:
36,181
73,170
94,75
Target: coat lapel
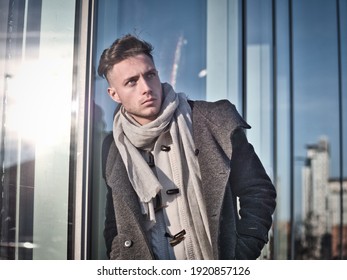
121,187
214,160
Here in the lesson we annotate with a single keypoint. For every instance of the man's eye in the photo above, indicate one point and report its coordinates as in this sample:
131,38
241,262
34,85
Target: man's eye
131,83
151,75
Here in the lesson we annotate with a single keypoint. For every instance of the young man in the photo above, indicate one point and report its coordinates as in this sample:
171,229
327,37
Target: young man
175,168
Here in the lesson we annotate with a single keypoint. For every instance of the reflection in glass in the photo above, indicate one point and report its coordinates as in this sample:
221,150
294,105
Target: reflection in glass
197,45
37,67
177,30
316,130
259,83
287,88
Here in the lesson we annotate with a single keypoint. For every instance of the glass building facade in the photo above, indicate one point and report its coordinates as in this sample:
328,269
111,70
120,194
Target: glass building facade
283,63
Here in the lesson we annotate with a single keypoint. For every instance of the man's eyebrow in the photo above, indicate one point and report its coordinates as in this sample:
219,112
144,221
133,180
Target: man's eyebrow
151,70
131,78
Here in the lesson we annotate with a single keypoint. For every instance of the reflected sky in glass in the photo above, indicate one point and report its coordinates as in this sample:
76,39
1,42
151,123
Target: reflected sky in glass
316,76
177,30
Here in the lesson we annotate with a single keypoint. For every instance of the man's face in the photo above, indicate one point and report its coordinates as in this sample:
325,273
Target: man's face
134,82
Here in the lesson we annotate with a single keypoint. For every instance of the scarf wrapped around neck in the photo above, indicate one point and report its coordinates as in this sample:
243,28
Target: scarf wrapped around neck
175,116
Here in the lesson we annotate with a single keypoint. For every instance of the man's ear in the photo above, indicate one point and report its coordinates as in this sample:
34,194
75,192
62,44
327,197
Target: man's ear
113,94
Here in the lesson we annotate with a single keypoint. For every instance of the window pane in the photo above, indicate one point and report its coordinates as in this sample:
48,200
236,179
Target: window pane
35,127
188,53
259,82
224,51
282,214
177,30
316,130
343,59
259,79
199,48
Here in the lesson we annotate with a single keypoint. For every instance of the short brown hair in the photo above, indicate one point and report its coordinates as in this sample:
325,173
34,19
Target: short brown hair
123,48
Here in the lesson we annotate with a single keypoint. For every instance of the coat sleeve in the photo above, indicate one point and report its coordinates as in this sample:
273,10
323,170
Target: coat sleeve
256,195
110,229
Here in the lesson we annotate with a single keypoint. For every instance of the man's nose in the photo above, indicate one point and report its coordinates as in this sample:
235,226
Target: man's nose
145,86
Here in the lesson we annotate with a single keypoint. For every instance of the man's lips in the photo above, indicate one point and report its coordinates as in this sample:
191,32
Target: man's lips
150,100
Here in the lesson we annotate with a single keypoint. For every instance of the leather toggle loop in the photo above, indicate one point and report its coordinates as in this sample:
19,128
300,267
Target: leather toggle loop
150,159
172,191
165,148
158,203
177,238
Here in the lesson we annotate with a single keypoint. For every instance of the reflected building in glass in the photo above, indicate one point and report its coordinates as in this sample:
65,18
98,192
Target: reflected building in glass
339,233
320,221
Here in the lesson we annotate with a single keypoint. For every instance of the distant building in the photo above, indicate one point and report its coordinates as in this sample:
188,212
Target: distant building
334,198
321,206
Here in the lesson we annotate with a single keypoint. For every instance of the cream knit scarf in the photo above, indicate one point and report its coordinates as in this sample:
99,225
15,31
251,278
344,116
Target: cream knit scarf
175,115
